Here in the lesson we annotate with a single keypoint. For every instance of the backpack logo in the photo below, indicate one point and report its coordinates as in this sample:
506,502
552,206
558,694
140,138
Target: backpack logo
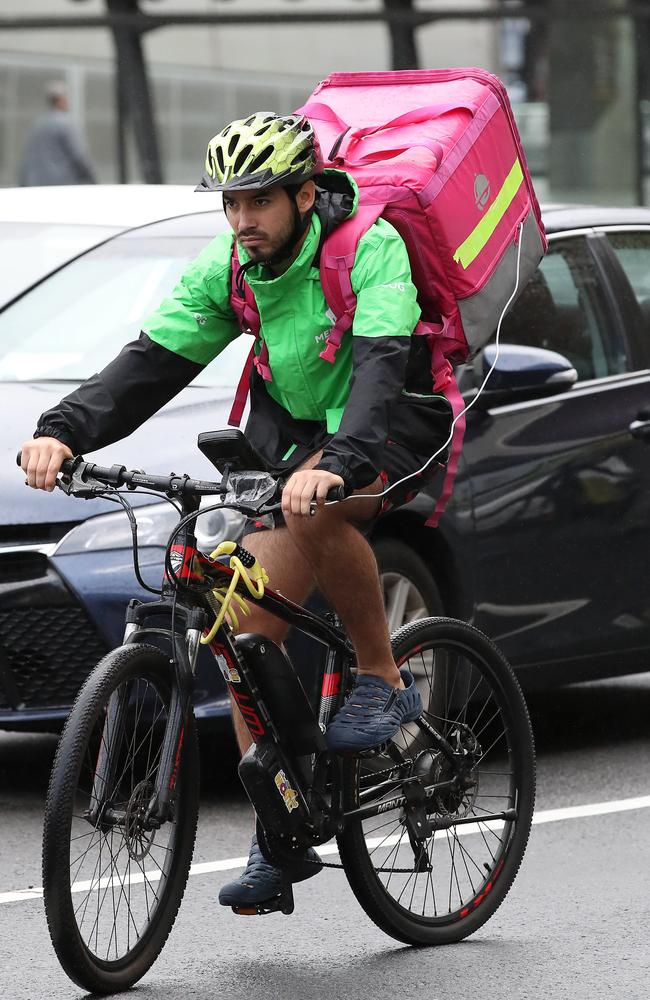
481,191
320,338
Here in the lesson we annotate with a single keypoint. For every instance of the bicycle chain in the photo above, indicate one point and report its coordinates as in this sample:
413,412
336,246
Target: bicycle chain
395,871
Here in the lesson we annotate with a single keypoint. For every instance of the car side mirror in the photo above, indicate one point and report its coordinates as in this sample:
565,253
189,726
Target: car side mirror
522,373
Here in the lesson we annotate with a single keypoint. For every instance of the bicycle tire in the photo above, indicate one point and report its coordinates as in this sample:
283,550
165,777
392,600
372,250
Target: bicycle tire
465,653
142,677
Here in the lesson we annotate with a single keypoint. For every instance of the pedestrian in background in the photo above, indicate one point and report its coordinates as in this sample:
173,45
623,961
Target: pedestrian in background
54,152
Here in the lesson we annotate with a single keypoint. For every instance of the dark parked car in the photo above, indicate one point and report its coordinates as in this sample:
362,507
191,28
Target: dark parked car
544,544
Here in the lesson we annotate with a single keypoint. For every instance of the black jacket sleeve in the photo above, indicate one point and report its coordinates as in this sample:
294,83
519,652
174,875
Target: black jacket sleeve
355,451
110,405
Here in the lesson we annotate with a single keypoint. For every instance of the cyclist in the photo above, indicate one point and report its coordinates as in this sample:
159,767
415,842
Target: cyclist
365,422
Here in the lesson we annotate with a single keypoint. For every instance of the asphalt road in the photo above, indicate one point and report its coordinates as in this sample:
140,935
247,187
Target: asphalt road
574,925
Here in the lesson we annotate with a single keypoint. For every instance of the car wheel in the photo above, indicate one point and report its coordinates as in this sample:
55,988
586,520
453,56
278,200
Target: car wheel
410,593
408,587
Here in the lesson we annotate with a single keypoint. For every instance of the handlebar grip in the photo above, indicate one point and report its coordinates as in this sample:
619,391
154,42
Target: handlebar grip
66,469
336,493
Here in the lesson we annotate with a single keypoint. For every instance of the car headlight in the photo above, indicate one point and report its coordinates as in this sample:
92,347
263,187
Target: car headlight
218,526
155,524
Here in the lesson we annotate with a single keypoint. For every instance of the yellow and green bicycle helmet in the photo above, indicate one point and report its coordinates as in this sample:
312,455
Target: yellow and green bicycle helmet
261,151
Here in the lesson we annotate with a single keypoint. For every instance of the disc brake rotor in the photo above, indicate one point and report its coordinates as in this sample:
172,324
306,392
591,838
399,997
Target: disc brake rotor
139,840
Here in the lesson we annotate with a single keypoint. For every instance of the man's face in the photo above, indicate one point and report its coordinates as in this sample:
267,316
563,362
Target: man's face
262,220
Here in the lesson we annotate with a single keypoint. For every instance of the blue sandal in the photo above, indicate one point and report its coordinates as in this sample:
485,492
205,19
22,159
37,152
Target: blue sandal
373,713
261,881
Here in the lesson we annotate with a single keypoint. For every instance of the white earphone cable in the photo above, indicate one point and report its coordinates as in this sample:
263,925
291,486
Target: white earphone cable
411,475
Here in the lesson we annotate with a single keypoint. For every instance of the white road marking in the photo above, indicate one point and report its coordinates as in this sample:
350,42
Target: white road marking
230,864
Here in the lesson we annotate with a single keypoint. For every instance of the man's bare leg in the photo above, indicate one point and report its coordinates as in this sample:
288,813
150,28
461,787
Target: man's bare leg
291,574
346,571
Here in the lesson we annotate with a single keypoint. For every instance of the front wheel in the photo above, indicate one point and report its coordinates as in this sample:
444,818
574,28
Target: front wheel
440,881
112,881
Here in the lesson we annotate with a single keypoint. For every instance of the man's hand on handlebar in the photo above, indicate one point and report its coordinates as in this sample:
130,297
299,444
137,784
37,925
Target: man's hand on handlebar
41,461
306,486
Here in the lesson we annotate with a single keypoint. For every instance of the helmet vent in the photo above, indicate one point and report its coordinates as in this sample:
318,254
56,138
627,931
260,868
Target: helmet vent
260,159
232,145
220,160
243,156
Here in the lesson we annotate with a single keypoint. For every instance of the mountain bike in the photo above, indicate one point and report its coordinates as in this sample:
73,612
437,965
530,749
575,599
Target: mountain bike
430,827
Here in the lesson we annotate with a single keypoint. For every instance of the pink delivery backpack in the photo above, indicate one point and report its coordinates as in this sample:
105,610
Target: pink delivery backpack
437,154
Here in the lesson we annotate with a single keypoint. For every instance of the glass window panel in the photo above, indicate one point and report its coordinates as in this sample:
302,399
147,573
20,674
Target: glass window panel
29,251
562,309
633,252
77,320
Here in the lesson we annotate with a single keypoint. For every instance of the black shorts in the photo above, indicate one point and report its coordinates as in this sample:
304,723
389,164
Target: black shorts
404,472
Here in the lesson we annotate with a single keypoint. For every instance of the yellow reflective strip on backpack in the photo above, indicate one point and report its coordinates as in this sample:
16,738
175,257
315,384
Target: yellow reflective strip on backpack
469,250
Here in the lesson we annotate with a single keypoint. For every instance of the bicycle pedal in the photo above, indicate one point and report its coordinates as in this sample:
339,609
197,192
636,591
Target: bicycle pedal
372,751
283,903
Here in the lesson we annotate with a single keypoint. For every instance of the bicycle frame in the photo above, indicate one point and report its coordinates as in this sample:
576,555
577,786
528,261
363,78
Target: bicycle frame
311,793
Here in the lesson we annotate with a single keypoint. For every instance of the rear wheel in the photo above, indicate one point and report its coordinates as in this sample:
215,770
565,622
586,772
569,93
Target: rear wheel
112,881
437,884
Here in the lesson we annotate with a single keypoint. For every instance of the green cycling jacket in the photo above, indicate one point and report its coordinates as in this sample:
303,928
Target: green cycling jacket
344,408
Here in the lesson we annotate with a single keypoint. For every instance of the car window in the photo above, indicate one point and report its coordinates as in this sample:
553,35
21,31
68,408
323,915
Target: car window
633,252
77,320
30,250
563,309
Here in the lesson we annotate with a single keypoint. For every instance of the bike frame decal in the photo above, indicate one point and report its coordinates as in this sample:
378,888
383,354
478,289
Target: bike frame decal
177,760
250,716
289,794
230,674
185,560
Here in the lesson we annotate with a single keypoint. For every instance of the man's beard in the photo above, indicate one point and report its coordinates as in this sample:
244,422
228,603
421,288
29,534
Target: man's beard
270,247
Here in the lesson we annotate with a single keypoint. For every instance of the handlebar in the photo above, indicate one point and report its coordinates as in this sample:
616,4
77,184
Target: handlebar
88,479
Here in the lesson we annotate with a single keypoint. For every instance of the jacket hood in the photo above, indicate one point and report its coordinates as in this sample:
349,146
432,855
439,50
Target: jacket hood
337,199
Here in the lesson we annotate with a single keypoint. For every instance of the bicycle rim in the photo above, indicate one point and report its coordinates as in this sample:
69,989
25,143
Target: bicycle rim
443,887
112,882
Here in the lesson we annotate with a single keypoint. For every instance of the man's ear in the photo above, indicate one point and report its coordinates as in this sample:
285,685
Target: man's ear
306,197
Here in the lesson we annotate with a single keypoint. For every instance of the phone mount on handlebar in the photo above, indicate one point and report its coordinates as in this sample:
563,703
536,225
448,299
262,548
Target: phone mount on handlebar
230,451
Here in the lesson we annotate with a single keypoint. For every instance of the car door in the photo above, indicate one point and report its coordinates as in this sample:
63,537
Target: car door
561,484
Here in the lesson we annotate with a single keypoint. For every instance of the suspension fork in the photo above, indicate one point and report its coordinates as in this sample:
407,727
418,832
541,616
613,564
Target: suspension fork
159,809
114,730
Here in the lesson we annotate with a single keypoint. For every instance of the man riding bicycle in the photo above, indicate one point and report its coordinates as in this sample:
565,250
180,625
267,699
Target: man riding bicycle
358,422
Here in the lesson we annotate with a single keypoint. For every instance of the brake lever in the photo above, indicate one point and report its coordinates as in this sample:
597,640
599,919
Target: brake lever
75,486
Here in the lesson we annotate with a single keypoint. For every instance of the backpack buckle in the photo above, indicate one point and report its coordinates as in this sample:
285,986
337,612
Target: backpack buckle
329,353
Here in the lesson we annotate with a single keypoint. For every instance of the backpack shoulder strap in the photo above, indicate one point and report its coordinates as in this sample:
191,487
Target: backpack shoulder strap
248,317
337,257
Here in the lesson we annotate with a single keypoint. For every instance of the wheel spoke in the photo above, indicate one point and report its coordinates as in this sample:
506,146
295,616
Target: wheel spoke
472,711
